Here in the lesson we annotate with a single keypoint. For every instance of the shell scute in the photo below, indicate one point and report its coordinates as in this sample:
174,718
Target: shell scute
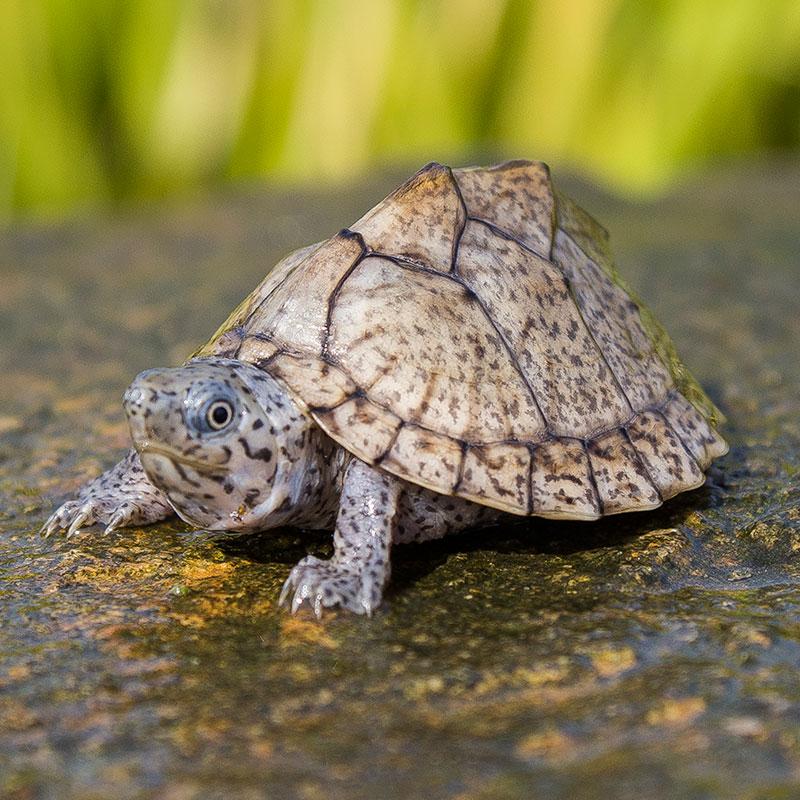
583,229
669,464
296,312
255,349
614,322
497,475
420,221
623,483
322,385
700,438
516,197
225,341
561,481
425,458
530,302
413,342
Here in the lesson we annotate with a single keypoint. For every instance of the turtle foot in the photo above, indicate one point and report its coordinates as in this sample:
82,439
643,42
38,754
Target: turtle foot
74,515
323,584
120,497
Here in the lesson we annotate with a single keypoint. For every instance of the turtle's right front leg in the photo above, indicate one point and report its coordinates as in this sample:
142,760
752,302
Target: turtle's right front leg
120,497
359,569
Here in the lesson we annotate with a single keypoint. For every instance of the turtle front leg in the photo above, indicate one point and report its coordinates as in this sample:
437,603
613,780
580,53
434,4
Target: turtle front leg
355,576
121,496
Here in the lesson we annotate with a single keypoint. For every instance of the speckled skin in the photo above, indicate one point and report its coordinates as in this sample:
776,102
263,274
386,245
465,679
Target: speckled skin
464,349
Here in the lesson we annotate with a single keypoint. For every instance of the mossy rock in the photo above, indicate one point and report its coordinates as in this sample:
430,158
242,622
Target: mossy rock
650,655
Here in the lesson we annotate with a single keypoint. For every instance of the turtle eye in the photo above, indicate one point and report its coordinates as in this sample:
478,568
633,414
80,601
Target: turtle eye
219,415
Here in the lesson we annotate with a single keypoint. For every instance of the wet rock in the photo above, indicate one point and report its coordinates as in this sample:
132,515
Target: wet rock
648,655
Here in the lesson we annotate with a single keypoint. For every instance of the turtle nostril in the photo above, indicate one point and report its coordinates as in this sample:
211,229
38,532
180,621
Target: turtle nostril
137,392
133,397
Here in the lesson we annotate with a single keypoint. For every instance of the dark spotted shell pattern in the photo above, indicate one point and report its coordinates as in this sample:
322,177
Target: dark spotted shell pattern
469,334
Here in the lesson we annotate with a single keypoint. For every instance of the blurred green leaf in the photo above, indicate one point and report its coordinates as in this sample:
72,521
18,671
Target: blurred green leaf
105,101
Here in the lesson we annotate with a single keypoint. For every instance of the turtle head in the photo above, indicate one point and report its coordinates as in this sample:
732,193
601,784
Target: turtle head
222,439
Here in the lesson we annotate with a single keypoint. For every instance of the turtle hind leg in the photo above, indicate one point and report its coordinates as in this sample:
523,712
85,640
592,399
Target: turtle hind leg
121,496
354,578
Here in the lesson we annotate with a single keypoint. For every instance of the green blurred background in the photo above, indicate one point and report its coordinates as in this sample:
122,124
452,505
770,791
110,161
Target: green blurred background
107,102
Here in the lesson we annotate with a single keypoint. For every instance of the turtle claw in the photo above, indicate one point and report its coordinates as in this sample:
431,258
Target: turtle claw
124,516
285,591
323,584
83,519
117,520
75,515
60,519
300,597
298,600
49,527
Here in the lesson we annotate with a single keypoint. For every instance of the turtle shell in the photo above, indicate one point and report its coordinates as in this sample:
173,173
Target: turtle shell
469,334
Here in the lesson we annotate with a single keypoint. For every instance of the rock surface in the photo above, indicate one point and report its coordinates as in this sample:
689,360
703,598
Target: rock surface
652,655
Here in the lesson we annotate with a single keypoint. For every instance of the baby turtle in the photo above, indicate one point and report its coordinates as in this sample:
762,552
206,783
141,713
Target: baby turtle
465,350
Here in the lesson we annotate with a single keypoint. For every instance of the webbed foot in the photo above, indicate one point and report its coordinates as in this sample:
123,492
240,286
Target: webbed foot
325,584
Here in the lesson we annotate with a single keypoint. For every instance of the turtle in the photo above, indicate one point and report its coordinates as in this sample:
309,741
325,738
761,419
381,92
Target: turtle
465,353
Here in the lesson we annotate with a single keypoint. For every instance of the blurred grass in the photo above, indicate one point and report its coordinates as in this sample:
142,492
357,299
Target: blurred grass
107,101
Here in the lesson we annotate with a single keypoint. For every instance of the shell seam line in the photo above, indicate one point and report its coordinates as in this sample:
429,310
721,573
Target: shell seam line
462,227
268,361
507,236
593,479
578,245
591,333
553,212
530,446
460,470
346,233
360,392
511,354
531,449
242,336
558,267
376,462
639,458
638,310
597,434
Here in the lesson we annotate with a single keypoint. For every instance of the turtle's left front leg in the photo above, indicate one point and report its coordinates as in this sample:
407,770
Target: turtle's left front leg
355,576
